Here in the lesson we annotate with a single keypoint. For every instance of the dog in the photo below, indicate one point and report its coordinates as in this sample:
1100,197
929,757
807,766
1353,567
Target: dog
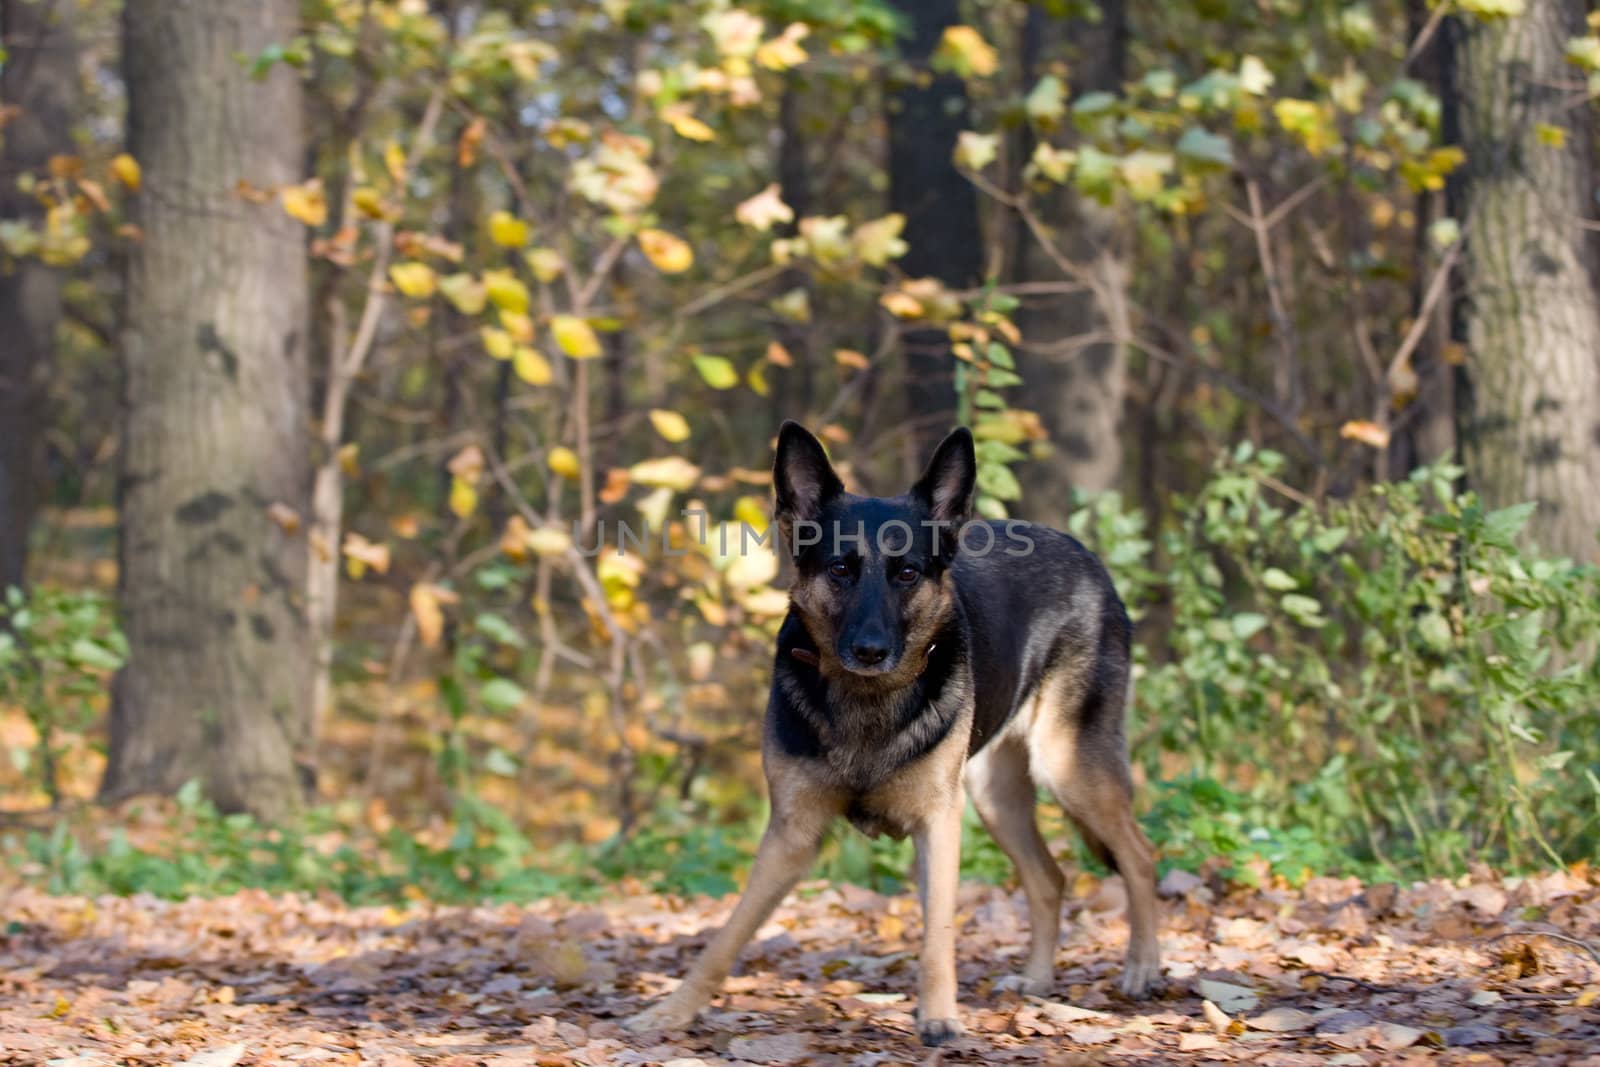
927,658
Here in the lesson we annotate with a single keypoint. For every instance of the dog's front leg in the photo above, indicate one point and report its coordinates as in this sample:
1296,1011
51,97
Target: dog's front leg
938,878
787,850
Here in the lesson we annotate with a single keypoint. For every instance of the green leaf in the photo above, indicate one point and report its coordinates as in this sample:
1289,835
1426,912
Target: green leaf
999,482
501,694
1278,580
999,355
499,762
1095,103
1200,145
1046,104
1247,624
988,398
1434,630
1502,527
718,371
93,654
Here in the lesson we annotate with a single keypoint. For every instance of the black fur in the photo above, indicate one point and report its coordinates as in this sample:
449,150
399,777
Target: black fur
1034,603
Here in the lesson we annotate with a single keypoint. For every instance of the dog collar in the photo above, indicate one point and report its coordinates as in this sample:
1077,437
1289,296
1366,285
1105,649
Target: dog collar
811,659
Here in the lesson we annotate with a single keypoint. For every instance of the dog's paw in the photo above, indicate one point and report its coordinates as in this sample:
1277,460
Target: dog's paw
935,1032
669,1014
1138,976
1023,984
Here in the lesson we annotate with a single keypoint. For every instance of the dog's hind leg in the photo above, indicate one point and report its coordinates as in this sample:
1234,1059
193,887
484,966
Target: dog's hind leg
1004,793
1087,771
785,855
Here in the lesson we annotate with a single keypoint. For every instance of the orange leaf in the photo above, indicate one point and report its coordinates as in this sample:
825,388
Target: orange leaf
1368,433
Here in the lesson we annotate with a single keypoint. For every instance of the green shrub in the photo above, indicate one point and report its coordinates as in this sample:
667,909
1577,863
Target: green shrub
1390,675
57,650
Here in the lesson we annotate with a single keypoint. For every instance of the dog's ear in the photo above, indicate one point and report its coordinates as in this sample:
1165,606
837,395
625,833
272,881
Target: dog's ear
946,486
802,478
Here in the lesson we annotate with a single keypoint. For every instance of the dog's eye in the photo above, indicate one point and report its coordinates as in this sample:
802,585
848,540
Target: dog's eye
839,569
907,574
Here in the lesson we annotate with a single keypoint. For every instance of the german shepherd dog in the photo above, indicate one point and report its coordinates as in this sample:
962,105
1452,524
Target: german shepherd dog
926,659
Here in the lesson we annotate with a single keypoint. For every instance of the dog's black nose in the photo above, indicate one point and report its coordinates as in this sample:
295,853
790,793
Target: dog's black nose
869,655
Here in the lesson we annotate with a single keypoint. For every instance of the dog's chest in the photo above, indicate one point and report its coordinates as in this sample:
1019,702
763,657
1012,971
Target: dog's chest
902,802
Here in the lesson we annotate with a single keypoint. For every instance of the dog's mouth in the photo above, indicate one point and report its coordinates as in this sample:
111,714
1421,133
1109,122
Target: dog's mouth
862,669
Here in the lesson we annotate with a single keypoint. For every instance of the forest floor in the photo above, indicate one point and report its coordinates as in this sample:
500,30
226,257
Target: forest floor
1484,971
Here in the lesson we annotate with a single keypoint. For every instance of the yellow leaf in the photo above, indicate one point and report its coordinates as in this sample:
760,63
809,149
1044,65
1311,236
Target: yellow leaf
764,209
963,50
976,150
518,325
394,161
717,371
497,342
359,554
126,170
1368,433
349,457
546,263
62,1006
548,541
687,126
901,305
784,51
369,202
531,367
305,202
506,291
778,355
879,241
564,461
849,357
575,337
416,280
670,425
507,231
673,472
756,379
463,497
426,610
1553,136
467,294
667,253
752,511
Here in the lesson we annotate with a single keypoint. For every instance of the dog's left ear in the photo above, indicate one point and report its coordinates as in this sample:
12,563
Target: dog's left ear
946,486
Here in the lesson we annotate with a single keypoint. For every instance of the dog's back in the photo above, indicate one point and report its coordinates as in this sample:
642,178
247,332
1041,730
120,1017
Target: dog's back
1041,609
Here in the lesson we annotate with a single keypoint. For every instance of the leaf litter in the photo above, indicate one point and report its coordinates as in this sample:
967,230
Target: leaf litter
1482,970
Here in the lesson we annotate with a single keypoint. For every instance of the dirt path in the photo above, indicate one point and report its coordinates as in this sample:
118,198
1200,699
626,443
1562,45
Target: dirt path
1334,973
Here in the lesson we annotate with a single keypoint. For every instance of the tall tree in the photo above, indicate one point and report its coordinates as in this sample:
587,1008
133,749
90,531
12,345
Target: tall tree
1530,315
927,113
1073,359
37,89
214,446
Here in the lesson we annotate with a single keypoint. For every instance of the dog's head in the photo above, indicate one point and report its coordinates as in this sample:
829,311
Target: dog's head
872,573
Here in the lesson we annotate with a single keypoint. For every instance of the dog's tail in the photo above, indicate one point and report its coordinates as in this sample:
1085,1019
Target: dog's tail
1097,848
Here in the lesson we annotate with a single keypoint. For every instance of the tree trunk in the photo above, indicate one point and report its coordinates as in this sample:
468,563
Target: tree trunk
215,428
38,79
1530,314
926,115
1073,360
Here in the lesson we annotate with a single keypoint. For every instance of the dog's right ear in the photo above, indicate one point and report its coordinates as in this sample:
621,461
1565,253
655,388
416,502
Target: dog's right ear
802,478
